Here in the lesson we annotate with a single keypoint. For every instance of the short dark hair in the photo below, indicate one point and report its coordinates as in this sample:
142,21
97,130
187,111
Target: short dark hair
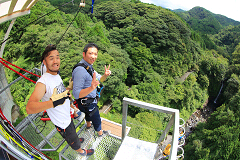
48,49
89,45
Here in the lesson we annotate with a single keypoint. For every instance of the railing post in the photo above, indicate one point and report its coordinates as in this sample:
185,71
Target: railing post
175,136
6,37
165,132
124,119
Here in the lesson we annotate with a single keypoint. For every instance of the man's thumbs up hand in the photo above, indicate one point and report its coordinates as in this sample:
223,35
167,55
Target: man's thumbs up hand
59,99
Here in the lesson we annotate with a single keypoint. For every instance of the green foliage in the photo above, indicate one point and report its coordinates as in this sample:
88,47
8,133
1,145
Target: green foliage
236,55
66,5
231,87
218,139
82,20
53,155
149,49
228,39
116,105
113,117
149,120
206,22
214,67
145,126
203,81
23,87
98,33
207,42
141,66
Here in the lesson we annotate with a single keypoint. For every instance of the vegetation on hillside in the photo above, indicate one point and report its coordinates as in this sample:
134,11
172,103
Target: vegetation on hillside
205,21
149,48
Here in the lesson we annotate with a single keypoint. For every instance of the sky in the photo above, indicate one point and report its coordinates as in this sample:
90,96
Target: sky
228,8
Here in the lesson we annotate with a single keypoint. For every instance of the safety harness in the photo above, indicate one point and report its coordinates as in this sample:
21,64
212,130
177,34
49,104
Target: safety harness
85,102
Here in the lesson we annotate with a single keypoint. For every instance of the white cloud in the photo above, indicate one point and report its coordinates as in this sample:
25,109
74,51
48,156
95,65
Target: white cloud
229,8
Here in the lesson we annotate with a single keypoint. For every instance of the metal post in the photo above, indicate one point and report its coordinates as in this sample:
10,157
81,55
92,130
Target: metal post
174,148
6,37
124,119
165,132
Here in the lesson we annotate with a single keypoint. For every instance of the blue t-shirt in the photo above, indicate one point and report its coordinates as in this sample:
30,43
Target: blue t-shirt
82,79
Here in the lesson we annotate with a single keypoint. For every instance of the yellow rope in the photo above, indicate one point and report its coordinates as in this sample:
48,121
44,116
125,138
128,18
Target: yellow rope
8,137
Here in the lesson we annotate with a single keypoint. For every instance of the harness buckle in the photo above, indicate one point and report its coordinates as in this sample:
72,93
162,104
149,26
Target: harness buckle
83,102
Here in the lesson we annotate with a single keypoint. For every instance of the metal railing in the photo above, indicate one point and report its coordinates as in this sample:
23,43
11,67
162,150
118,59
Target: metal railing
19,78
174,121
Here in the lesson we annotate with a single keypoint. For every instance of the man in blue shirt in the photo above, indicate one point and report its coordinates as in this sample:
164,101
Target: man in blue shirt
85,82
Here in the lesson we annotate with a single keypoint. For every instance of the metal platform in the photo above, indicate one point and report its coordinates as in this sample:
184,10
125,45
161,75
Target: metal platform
104,148
132,149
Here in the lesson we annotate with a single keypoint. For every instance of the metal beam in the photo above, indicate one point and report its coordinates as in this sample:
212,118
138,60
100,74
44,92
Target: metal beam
32,4
124,119
165,132
175,136
149,106
12,6
19,78
14,15
6,37
2,1
26,4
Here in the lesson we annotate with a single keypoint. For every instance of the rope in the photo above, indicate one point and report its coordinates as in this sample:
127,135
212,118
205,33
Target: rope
22,139
68,27
92,6
21,29
17,72
20,68
8,137
41,126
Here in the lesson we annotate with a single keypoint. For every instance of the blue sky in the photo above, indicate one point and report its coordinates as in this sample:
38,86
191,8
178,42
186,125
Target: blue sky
228,8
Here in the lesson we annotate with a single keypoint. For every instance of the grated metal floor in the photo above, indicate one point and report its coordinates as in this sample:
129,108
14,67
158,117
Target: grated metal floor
104,148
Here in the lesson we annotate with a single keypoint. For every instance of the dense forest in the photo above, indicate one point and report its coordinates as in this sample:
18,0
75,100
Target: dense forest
149,48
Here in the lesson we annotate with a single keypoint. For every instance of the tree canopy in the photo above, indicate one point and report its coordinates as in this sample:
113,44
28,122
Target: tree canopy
150,49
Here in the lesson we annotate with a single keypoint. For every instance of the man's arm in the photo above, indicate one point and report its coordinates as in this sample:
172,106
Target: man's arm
106,73
33,105
94,84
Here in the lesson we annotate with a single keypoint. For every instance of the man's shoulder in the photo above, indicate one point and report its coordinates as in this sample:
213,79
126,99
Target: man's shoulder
49,76
80,73
46,77
42,79
80,65
79,68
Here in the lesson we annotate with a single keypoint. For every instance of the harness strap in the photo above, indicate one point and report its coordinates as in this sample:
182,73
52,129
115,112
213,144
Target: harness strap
85,103
86,67
60,129
88,113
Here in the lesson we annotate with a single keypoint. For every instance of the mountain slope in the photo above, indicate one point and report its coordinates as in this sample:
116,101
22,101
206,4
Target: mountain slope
225,21
205,21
